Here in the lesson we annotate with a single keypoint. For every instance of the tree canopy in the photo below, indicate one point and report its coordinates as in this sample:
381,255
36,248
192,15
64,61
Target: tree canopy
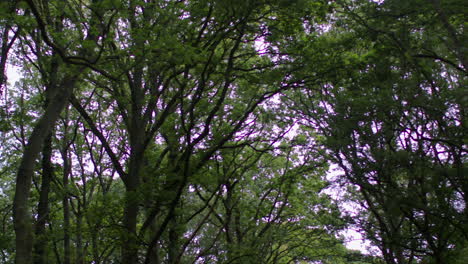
152,132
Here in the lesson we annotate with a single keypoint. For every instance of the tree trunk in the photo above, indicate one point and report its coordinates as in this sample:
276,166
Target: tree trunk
132,181
174,241
22,218
66,206
130,242
40,256
130,246
79,237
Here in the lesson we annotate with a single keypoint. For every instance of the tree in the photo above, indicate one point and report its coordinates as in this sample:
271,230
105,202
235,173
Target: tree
395,125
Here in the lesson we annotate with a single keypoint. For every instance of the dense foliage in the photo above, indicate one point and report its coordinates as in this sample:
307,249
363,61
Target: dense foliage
203,131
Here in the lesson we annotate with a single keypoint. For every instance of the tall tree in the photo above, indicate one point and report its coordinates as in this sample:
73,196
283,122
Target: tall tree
51,13
395,123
